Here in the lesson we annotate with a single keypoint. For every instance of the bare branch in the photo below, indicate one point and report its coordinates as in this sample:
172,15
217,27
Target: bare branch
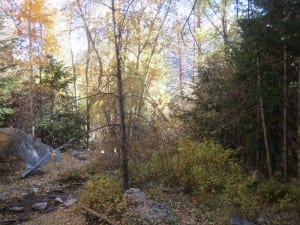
191,12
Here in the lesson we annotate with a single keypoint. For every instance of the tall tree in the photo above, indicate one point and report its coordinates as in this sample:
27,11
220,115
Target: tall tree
118,29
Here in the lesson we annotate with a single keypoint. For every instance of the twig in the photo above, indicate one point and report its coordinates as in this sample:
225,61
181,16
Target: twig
100,216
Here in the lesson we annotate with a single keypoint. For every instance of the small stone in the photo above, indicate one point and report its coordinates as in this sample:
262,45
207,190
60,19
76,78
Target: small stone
70,201
257,177
263,221
58,200
35,190
41,206
24,194
17,209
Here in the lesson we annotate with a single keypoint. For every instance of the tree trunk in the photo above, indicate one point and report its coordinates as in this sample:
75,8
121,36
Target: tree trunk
88,101
123,135
31,116
285,99
264,124
298,122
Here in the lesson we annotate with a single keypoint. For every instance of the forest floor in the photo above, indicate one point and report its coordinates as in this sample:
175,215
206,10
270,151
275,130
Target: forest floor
46,186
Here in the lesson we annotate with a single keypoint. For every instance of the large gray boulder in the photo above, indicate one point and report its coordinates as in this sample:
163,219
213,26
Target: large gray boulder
33,152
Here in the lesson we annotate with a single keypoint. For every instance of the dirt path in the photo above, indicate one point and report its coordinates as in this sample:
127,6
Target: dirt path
20,194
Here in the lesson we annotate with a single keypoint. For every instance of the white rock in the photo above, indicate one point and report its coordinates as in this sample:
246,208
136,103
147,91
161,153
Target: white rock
58,200
35,190
17,209
40,206
70,201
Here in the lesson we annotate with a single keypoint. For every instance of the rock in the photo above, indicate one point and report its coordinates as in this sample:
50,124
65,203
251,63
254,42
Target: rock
236,220
257,177
263,221
41,206
34,153
134,196
70,201
24,194
142,210
58,200
35,190
17,209
77,154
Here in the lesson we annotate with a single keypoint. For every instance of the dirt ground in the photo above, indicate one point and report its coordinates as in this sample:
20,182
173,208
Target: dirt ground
43,186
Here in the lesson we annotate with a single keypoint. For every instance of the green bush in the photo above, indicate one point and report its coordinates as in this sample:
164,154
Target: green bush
155,169
206,166
271,191
103,193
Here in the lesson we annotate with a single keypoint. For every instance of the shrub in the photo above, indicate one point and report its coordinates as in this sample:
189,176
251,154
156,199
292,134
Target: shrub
103,194
271,191
155,169
206,166
74,175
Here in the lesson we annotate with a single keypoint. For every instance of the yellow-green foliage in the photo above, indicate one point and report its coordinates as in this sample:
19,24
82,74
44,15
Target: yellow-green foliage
155,169
103,193
75,175
271,190
206,166
274,191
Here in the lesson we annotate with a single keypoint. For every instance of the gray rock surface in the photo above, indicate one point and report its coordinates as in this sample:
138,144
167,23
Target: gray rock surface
17,209
58,200
257,177
142,210
31,151
236,220
70,201
35,190
41,206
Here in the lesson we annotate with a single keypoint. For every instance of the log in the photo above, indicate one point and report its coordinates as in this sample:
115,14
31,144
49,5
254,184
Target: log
100,216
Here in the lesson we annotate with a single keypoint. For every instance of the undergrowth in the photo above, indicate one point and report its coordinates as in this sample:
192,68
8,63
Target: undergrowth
217,180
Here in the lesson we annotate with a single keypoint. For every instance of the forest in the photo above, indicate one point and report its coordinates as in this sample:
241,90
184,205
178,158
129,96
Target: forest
160,111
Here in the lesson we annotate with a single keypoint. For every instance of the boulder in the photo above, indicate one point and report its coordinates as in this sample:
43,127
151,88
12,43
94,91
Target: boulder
33,152
139,209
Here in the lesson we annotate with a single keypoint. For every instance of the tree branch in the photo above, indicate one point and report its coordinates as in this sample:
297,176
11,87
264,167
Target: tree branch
188,18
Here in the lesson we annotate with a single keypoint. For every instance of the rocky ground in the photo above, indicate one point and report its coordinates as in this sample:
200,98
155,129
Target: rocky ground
43,198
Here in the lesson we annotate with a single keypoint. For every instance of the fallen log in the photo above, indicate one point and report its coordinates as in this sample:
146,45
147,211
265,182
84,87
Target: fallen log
100,216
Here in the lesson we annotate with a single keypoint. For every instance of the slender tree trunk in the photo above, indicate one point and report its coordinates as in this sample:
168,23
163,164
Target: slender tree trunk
123,135
31,116
180,68
88,101
264,124
285,99
298,122
73,75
